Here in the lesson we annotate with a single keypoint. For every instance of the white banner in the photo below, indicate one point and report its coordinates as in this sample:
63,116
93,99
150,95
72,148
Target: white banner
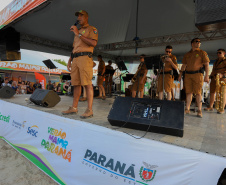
78,153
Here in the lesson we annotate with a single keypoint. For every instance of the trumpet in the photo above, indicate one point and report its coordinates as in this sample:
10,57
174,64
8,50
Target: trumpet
163,57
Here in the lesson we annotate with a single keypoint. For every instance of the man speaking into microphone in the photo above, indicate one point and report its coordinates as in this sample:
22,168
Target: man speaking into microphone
80,64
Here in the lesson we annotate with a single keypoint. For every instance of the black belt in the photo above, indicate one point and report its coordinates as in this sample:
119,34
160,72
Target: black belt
193,72
74,55
168,72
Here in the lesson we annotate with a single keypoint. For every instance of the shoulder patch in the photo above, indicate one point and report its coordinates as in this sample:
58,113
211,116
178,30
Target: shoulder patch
95,31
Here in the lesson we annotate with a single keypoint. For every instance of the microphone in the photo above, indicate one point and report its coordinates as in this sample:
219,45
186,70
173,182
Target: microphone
76,23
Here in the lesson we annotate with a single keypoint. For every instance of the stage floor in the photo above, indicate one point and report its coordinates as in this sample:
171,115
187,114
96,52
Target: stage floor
207,134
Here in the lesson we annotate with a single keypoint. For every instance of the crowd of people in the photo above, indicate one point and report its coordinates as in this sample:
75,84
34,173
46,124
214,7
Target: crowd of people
27,87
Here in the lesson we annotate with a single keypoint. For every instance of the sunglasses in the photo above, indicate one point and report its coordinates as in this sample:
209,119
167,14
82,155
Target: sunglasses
168,51
198,41
218,52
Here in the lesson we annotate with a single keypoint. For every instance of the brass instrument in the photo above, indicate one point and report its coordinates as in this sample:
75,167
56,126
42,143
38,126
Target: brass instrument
220,91
135,76
163,57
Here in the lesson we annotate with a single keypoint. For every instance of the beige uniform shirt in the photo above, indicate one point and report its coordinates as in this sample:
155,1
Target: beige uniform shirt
219,66
195,59
168,66
88,32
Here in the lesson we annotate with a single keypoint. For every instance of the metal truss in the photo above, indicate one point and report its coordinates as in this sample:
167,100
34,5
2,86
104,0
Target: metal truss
45,42
57,45
163,40
142,43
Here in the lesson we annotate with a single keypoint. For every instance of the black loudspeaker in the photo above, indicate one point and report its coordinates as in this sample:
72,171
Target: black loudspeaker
45,98
222,179
7,92
12,39
210,14
161,116
9,44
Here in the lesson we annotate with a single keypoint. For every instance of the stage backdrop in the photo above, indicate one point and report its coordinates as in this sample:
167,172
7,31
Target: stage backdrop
78,153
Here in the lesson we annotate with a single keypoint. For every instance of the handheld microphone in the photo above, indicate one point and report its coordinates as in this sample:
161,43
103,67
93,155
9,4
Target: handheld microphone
76,23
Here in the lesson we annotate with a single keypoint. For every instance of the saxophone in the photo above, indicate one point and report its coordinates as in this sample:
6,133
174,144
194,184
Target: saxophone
220,91
135,76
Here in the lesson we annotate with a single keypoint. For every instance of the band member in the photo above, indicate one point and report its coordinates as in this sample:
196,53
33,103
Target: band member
81,63
192,64
219,66
140,76
170,62
100,78
108,78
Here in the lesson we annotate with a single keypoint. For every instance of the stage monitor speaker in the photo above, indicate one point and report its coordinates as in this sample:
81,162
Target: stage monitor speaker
210,14
222,179
45,98
160,116
7,92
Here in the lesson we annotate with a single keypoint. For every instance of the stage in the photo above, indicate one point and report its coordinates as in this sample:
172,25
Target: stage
207,134
69,149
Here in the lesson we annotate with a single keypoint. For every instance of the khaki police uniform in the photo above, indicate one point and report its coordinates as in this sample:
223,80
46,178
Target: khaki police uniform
142,72
219,66
101,67
108,77
194,60
168,78
82,66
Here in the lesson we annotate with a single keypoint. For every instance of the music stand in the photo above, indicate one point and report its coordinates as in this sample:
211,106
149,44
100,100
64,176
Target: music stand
125,79
153,62
130,76
121,66
50,65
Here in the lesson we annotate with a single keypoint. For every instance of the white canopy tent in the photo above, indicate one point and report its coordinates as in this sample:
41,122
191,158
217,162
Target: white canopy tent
47,26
